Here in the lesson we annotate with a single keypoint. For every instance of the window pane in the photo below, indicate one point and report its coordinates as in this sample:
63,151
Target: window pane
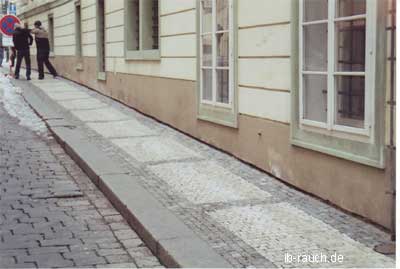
149,24
222,15
207,84
133,21
206,13
350,101
223,49
315,98
315,10
350,45
155,24
347,8
223,86
207,50
316,47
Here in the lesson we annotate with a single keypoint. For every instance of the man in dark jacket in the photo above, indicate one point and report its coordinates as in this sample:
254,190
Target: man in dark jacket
22,40
43,50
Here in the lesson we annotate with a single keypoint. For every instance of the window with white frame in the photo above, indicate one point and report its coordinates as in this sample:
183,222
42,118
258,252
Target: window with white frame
51,31
142,31
216,53
101,39
78,29
336,65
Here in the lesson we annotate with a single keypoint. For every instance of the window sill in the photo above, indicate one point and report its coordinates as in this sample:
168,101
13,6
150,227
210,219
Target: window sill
368,151
101,76
340,154
142,55
341,132
79,67
217,114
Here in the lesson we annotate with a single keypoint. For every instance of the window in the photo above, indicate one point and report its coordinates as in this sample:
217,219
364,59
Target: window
78,29
51,32
101,58
335,93
142,31
338,84
217,61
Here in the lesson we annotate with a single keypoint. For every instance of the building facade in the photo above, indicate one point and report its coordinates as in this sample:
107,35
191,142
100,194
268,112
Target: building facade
303,90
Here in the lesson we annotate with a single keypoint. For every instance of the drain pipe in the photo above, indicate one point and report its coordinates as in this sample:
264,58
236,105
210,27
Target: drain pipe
392,148
390,248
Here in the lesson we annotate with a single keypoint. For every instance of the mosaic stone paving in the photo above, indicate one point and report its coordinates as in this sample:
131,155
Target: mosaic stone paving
248,217
273,228
206,182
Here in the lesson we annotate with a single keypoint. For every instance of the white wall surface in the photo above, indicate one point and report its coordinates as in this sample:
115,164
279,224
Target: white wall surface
264,71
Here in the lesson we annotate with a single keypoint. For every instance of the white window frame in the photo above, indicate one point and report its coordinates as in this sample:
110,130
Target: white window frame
78,29
330,127
141,53
214,66
101,36
50,23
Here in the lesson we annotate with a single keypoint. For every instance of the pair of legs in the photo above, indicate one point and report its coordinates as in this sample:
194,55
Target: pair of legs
23,54
1,56
43,59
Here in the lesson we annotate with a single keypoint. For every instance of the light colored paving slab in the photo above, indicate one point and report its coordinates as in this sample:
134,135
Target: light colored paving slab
81,104
47,82
55,86
278,229
121,129
60,88
154,149
61,96
102,114
206,182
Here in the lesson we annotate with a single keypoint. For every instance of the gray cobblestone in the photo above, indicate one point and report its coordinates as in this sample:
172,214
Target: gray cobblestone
121,258
118,265
40,224
46,260
85,258
45,250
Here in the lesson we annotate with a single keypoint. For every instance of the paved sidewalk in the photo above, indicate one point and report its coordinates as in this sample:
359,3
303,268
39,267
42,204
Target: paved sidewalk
51,214
248,217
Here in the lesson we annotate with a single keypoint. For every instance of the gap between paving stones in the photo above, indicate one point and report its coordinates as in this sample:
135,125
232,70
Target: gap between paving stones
169,238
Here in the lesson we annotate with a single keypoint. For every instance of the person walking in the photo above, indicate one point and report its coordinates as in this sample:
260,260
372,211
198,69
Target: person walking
12,57
22,40
1,51
1,55
43,50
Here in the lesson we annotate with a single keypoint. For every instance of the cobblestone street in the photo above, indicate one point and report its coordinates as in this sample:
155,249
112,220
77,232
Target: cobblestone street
51,215
246,216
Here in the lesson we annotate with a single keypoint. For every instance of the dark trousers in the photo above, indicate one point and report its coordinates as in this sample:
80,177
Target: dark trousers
43,59
23,54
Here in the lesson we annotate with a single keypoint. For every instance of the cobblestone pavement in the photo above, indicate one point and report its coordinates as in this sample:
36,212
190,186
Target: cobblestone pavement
51,215
248,217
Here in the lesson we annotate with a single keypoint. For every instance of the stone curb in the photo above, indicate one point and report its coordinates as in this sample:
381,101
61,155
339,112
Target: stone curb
175,244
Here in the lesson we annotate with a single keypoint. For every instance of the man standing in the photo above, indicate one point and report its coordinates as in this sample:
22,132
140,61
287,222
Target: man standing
22,40
1,50
43,50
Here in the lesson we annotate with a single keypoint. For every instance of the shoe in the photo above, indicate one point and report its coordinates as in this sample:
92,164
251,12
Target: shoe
28,78
55,76
16,77
41,78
